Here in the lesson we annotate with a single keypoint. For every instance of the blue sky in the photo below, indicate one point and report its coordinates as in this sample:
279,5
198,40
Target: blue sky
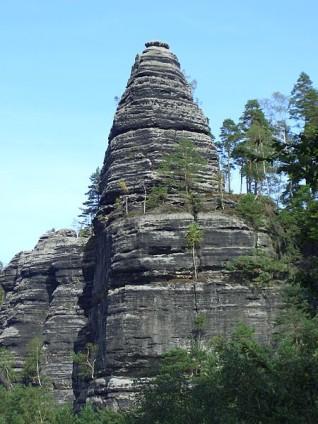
62,63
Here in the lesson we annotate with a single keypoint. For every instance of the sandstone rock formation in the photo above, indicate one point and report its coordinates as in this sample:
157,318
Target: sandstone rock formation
42,288
144,300
130,291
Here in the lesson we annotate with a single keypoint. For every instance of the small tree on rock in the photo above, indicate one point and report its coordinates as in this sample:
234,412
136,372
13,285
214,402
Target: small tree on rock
90,206
33,362
7,373
86,360
183,165
194,237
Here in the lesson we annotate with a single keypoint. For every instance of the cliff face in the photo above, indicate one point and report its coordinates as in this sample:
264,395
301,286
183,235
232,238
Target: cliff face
42,287
129,293
144,300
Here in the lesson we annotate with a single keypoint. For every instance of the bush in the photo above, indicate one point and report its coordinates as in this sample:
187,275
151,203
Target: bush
255,209
157,197
259,269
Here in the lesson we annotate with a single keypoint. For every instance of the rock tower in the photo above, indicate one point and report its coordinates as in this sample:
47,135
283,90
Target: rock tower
130,291
144,300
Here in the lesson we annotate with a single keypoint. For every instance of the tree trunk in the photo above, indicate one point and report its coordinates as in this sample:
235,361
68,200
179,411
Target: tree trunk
229,175
194,263
38,369
145,198
126,204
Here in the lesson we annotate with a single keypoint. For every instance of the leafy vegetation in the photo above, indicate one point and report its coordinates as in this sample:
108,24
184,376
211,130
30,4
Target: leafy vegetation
194,236
157,197
90,205
259,269
86,360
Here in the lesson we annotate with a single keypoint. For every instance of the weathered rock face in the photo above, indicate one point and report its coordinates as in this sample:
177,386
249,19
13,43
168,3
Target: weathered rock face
42,288
143,298
130,290
155,111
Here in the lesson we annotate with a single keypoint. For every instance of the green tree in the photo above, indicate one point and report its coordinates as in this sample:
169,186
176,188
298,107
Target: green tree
229,137
7,373
194,237
299,158
255,151
33,361
86,360
90,205
27,405
303,100
183,166
157,197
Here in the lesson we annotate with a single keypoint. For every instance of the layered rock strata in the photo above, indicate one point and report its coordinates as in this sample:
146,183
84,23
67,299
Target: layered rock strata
42,288
143,298
129,294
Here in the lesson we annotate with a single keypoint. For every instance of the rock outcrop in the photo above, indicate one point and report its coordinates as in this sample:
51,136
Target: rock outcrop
144,300
42,288
129,294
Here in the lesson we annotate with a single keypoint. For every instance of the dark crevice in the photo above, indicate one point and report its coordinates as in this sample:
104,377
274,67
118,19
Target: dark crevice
114,133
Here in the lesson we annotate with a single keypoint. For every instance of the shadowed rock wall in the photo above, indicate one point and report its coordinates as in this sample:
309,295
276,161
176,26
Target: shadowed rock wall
130,290
144,300
42,288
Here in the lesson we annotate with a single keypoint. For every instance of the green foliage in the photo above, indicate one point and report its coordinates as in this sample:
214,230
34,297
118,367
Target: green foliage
300,218
194,236
26,405
239,381
229,137
123,186
32,365
259,269
157,197
90,206
182,166
86,360
85,232
255,152
302,99
254,209
7,373
35,405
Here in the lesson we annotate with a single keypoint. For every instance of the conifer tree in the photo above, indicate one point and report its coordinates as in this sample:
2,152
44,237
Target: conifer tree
183,165
255,151
194,237
90,206
303,100
299,159
229,137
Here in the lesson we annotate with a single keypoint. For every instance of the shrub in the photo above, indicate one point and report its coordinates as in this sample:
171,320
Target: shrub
258,269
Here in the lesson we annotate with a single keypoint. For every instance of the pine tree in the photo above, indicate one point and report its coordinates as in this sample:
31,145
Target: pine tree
90,206
276,111
255,151
194,237
299,158
229,137
183,165
303,100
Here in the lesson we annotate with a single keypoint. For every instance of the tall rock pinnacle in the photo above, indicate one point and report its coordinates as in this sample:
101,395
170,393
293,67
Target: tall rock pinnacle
155,111
144,299
136,289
